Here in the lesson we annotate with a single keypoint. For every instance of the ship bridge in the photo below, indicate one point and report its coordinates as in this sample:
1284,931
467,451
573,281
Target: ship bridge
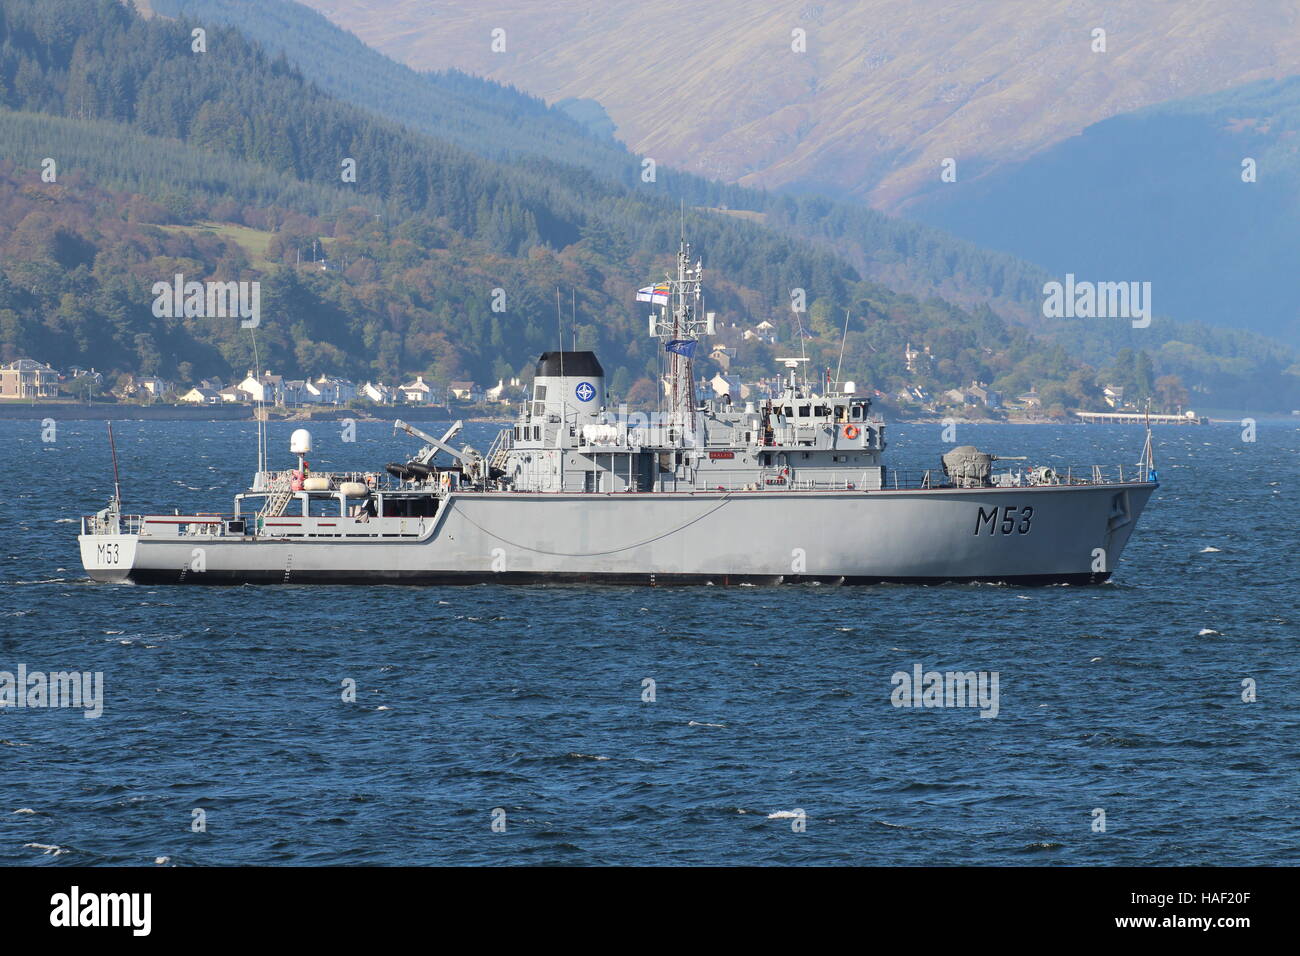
566,438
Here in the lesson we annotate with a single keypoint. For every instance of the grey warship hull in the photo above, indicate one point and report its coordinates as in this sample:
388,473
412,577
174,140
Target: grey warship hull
1030,535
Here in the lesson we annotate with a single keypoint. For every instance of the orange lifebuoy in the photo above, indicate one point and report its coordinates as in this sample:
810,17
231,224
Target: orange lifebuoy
851,431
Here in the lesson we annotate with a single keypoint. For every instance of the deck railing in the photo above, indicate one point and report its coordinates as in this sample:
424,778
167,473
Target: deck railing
375,480
112,524
911,479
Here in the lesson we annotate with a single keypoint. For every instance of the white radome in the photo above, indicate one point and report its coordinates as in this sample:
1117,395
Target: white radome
300,442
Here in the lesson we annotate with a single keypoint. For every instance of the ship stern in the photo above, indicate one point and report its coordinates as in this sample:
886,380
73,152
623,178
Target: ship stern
107,552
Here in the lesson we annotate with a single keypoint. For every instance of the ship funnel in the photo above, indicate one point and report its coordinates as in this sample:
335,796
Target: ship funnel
569,382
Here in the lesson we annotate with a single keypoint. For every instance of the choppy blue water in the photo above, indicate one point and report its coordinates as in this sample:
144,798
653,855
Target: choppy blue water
1125,697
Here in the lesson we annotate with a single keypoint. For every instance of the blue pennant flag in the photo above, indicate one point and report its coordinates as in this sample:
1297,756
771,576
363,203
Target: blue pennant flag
681,346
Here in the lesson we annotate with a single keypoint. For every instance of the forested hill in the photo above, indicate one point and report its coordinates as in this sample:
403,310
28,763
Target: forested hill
499,122
227,164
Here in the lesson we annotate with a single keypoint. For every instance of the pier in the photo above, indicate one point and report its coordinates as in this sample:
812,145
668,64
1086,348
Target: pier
1139,418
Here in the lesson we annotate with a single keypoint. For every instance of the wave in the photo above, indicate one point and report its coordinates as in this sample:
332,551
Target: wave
48,848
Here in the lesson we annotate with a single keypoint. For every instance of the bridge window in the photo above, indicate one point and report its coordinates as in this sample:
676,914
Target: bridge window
423,507
322,506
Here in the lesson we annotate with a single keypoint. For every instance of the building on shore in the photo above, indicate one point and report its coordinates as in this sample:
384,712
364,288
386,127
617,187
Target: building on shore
465,392
328,390
380,393
202,396
504,393
418,392
27,378
267,388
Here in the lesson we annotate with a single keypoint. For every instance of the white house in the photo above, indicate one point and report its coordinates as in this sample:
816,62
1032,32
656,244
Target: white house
379,393
149,385
728,385
332,391
418,392
504,392
465,391
268,388
202,396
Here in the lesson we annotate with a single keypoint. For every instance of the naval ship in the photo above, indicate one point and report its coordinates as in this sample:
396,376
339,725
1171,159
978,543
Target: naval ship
791,488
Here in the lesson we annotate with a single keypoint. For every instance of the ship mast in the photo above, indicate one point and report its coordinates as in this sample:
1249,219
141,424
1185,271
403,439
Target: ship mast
680,323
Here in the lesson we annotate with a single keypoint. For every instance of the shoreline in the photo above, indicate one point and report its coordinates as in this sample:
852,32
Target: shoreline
72,411
68,411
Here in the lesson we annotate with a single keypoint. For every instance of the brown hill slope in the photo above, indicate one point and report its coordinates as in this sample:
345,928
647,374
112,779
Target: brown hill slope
885,91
